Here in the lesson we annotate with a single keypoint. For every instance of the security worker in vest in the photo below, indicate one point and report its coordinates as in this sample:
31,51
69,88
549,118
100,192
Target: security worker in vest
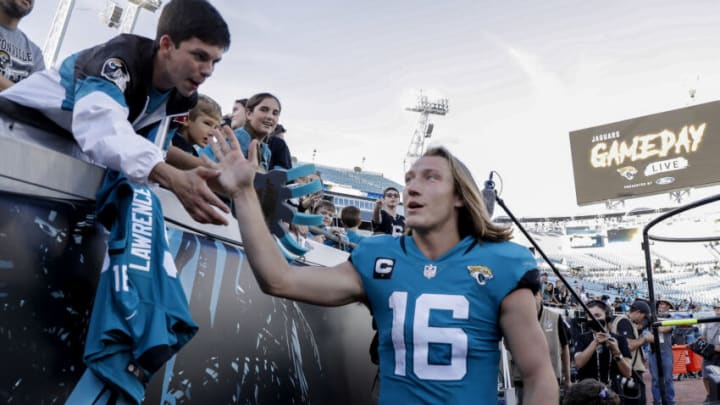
557,337
628,325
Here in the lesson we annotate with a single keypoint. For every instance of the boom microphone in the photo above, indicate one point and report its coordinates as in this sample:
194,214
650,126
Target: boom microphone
489,194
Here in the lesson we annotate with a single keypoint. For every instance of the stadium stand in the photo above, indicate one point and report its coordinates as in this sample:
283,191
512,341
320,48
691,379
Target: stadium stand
355,187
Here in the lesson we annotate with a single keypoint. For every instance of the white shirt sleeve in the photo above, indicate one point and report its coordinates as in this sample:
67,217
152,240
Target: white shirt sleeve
101,128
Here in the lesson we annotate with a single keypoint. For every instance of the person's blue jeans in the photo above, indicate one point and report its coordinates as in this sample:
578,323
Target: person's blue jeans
667,368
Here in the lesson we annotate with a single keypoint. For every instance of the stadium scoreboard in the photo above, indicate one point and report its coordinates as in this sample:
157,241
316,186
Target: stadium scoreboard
647,155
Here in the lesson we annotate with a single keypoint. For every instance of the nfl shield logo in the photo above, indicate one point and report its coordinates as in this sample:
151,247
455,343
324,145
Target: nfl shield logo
429,271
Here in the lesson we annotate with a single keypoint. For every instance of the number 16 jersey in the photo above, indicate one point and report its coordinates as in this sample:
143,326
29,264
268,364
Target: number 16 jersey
438,320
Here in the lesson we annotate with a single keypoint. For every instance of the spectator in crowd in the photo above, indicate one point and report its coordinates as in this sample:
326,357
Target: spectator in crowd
239,114
279,152
591,392
543,281
627,326
449,230
19,56
606,299
199,127
350,217
579,290
305,203
666,357
548,292
557,339
109,94
562,295
262,113
327,210
602,355
385,218
711,335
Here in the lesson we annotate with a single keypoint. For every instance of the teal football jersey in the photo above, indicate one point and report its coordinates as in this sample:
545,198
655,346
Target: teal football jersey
438,320
141,316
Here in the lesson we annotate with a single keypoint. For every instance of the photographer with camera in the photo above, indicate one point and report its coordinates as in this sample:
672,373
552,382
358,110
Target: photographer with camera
629,326
602,355
711,335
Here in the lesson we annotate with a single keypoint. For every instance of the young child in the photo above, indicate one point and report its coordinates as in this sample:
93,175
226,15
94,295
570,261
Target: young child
327,210
350,217
197,128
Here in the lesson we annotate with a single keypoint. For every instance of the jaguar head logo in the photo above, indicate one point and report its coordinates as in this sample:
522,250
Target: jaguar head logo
481,274
114,70
628,172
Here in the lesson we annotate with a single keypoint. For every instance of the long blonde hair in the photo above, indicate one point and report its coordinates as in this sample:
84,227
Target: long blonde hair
473,219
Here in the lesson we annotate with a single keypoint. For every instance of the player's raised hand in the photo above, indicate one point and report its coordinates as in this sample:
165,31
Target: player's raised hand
236,172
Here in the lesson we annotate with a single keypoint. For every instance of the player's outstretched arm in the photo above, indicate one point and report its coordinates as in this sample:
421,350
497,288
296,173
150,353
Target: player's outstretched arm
337,285
526,341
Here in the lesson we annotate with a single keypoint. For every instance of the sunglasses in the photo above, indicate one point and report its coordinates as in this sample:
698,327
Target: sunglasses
392,195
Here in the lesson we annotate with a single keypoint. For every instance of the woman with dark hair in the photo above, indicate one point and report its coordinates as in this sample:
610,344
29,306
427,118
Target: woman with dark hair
549,292
262,113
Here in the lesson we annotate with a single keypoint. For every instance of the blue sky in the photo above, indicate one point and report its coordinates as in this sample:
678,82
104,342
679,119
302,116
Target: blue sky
519,76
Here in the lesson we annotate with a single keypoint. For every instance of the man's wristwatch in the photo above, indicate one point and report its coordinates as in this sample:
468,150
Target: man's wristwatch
617,357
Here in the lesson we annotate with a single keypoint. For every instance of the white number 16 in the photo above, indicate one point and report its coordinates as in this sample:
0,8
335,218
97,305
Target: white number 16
424,334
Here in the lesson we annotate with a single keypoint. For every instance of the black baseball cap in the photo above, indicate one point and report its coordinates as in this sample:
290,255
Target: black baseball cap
642,306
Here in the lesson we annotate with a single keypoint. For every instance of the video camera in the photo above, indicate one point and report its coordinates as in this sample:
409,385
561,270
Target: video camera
596,325
584,322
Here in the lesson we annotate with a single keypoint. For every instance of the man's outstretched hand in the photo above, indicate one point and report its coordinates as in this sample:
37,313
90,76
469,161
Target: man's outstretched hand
191,188
195,195
236,173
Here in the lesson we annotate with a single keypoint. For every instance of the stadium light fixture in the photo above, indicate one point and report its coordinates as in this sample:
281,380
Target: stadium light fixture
149,5
112,15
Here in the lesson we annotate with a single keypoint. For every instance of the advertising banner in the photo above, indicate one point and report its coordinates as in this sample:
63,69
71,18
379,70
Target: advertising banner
647,155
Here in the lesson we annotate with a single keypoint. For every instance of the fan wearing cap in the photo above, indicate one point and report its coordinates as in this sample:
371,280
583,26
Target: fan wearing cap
628,325
666,357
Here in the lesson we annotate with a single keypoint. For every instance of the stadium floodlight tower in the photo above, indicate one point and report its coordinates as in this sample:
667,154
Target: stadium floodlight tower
116,17
424,128
57,31
131,14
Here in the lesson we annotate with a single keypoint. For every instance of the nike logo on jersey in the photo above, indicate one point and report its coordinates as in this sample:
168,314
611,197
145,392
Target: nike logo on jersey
383,268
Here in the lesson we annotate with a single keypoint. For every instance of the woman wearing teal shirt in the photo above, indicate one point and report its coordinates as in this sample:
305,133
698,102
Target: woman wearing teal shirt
262,111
